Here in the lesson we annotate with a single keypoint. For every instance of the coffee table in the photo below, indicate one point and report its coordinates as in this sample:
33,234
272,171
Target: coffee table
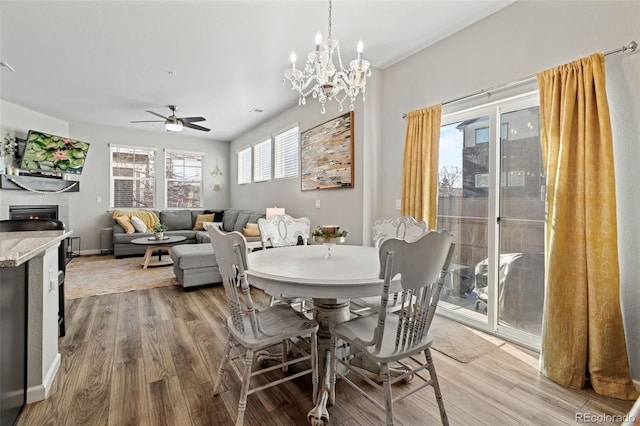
157,245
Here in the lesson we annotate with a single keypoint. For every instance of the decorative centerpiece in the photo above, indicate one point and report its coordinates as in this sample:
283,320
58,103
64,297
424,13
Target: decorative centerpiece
329,235
158,231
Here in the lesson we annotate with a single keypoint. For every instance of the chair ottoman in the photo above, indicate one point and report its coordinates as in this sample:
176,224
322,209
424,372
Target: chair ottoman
195,264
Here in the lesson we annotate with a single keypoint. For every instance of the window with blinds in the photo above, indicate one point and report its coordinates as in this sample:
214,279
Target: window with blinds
132,177
285,152
262,161
183,174
244,166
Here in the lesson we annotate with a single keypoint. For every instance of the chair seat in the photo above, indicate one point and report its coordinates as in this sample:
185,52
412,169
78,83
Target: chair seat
278,322
359,329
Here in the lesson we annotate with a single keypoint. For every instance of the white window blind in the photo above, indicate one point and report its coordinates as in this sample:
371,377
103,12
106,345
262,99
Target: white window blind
244,166
183,174
132,177
262,161
285,151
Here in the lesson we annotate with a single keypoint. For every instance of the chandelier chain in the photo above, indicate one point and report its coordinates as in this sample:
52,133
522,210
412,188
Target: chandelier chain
330,18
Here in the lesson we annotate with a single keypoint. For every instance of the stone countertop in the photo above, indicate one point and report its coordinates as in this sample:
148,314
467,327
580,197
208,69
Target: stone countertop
17,248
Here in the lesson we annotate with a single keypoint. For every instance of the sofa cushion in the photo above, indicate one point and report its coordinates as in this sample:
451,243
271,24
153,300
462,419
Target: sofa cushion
138,224
201,218
242,220
176,219
229,220
125,222
194,217
219,214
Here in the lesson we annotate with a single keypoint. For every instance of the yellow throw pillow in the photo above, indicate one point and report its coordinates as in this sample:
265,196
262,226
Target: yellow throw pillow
125,222
202,218
251,230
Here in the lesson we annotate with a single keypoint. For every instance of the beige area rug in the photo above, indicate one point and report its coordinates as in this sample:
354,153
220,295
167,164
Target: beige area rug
96,275
459,342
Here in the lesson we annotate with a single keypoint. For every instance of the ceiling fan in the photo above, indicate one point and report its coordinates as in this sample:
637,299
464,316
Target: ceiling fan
176,124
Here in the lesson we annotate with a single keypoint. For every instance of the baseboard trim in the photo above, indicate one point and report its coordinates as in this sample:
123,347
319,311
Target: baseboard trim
40,392
90,252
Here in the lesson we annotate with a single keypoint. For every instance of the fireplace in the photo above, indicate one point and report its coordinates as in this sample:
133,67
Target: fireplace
33,212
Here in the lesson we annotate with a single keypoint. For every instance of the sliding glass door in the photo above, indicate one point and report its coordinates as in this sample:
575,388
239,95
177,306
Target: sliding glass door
491,196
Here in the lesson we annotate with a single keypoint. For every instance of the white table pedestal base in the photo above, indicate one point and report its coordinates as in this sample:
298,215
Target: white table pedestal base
327,312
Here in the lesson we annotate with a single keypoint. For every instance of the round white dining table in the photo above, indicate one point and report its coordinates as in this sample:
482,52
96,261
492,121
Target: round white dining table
306,271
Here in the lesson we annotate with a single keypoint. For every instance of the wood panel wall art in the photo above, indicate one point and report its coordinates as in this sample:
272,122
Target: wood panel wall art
327,154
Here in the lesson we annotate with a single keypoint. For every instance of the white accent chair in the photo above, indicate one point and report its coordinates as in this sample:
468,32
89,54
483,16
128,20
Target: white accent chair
250,330
282,230
387,339
401,227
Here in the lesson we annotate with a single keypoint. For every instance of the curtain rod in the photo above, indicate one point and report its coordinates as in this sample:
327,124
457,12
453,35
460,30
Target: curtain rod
629,47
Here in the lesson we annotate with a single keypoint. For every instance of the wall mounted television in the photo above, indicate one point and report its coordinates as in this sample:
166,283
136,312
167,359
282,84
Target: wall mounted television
53,154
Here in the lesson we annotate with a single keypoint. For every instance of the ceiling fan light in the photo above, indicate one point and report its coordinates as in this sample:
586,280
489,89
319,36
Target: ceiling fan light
173,126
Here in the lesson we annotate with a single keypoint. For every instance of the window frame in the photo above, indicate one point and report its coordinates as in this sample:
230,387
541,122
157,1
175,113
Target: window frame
243,172
113,178
168,151
261,164
276,166
274,142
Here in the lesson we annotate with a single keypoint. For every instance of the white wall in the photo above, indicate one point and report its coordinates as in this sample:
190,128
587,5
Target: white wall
518,41
81,211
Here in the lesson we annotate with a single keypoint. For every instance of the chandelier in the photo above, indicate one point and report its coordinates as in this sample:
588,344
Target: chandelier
322,79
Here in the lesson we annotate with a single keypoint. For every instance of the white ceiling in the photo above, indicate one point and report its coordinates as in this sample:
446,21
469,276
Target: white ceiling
106,62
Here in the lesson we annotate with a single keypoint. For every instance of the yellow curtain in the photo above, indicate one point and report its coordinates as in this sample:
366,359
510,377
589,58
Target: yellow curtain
420,172
582,324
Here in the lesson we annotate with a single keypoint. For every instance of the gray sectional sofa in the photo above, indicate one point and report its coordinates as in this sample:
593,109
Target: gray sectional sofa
181,222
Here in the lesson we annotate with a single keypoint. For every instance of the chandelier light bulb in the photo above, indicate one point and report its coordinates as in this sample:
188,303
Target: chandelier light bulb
325,77
293,58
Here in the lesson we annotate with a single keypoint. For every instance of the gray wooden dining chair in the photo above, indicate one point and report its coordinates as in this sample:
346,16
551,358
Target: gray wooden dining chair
389,339
282,230
251,330
404,228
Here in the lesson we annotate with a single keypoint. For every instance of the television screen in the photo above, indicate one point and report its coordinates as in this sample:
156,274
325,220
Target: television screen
53,153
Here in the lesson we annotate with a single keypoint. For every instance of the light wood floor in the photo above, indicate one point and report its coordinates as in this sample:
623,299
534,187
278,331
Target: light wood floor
150,357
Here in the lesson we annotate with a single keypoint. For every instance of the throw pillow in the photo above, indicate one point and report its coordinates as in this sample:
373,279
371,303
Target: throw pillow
202,218
125,222
251,230
138,224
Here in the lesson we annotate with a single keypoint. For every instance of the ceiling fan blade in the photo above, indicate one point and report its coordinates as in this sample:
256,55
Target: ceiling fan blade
156,114
196,127
192,119
147,121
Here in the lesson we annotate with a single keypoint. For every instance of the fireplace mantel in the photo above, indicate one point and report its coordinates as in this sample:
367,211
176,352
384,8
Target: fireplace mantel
39,185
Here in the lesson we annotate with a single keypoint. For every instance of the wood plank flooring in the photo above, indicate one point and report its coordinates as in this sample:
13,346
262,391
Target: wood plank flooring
150,357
